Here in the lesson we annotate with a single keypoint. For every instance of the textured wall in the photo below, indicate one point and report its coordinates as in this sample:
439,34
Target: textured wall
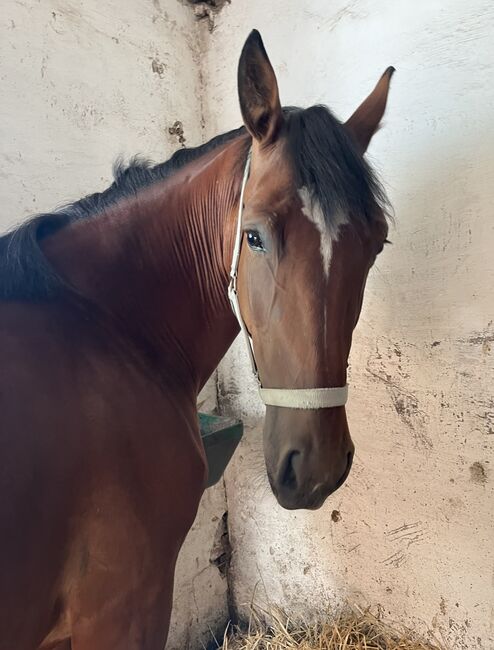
412,529
83,82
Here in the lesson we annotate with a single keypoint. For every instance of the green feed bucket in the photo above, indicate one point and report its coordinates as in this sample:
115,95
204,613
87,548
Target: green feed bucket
220,436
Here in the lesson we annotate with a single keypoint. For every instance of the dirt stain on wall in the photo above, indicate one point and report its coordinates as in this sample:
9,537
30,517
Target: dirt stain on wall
477,473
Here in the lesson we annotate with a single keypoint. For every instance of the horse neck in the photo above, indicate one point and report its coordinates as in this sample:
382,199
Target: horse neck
158,264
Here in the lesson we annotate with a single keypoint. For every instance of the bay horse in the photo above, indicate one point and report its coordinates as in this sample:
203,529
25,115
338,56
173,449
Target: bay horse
114,312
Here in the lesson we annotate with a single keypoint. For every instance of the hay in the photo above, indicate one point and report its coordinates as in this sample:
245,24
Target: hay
351,630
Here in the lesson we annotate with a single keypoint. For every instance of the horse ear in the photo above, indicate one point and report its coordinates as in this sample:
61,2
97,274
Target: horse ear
365,121
258,91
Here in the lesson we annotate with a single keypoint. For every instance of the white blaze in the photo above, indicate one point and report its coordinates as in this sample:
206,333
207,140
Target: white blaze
312,210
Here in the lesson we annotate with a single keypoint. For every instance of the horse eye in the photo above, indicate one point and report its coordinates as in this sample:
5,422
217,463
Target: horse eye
254,240
381,247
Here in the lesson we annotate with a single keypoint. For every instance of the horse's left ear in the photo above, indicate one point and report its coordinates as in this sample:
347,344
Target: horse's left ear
258,91
365,121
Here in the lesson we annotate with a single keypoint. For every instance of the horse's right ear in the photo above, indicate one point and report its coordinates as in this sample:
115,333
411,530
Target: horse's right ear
258,91
366,119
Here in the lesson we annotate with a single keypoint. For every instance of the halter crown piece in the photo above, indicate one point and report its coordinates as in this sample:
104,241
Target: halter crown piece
296,398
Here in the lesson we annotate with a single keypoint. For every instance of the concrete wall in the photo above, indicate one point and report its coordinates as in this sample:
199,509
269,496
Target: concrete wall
81,83
412,528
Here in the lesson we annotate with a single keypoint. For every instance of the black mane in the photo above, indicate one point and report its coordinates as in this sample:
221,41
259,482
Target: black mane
325,161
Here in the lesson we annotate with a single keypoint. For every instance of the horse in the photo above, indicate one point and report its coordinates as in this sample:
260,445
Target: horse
114,312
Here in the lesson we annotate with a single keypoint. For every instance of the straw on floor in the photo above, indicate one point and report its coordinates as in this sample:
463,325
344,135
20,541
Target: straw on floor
352,630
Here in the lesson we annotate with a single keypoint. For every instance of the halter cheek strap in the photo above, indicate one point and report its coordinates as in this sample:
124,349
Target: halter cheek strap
297,398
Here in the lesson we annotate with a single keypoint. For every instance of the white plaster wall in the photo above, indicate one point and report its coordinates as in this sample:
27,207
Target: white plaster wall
81,83
413,531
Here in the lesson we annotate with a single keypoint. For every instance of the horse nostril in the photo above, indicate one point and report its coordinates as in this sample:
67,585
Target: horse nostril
343,478
288,474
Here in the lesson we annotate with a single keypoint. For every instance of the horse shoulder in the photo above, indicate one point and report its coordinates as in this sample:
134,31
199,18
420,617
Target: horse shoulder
99,463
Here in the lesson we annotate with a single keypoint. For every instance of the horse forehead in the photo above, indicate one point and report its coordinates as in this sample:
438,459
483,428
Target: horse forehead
272,195
328,229
272,175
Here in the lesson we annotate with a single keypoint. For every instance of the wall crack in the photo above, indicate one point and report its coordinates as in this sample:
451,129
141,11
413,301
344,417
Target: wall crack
207,10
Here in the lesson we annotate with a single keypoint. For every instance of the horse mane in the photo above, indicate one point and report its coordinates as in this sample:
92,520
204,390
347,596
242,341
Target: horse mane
325,161
24,271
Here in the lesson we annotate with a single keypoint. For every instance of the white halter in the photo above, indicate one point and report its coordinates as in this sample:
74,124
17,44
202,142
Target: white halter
298,398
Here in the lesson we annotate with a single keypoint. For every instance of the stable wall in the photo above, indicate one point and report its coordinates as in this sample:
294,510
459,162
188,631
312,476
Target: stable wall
81,83
411,531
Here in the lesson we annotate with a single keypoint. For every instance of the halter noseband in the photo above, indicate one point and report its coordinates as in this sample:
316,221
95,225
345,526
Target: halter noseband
298,398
